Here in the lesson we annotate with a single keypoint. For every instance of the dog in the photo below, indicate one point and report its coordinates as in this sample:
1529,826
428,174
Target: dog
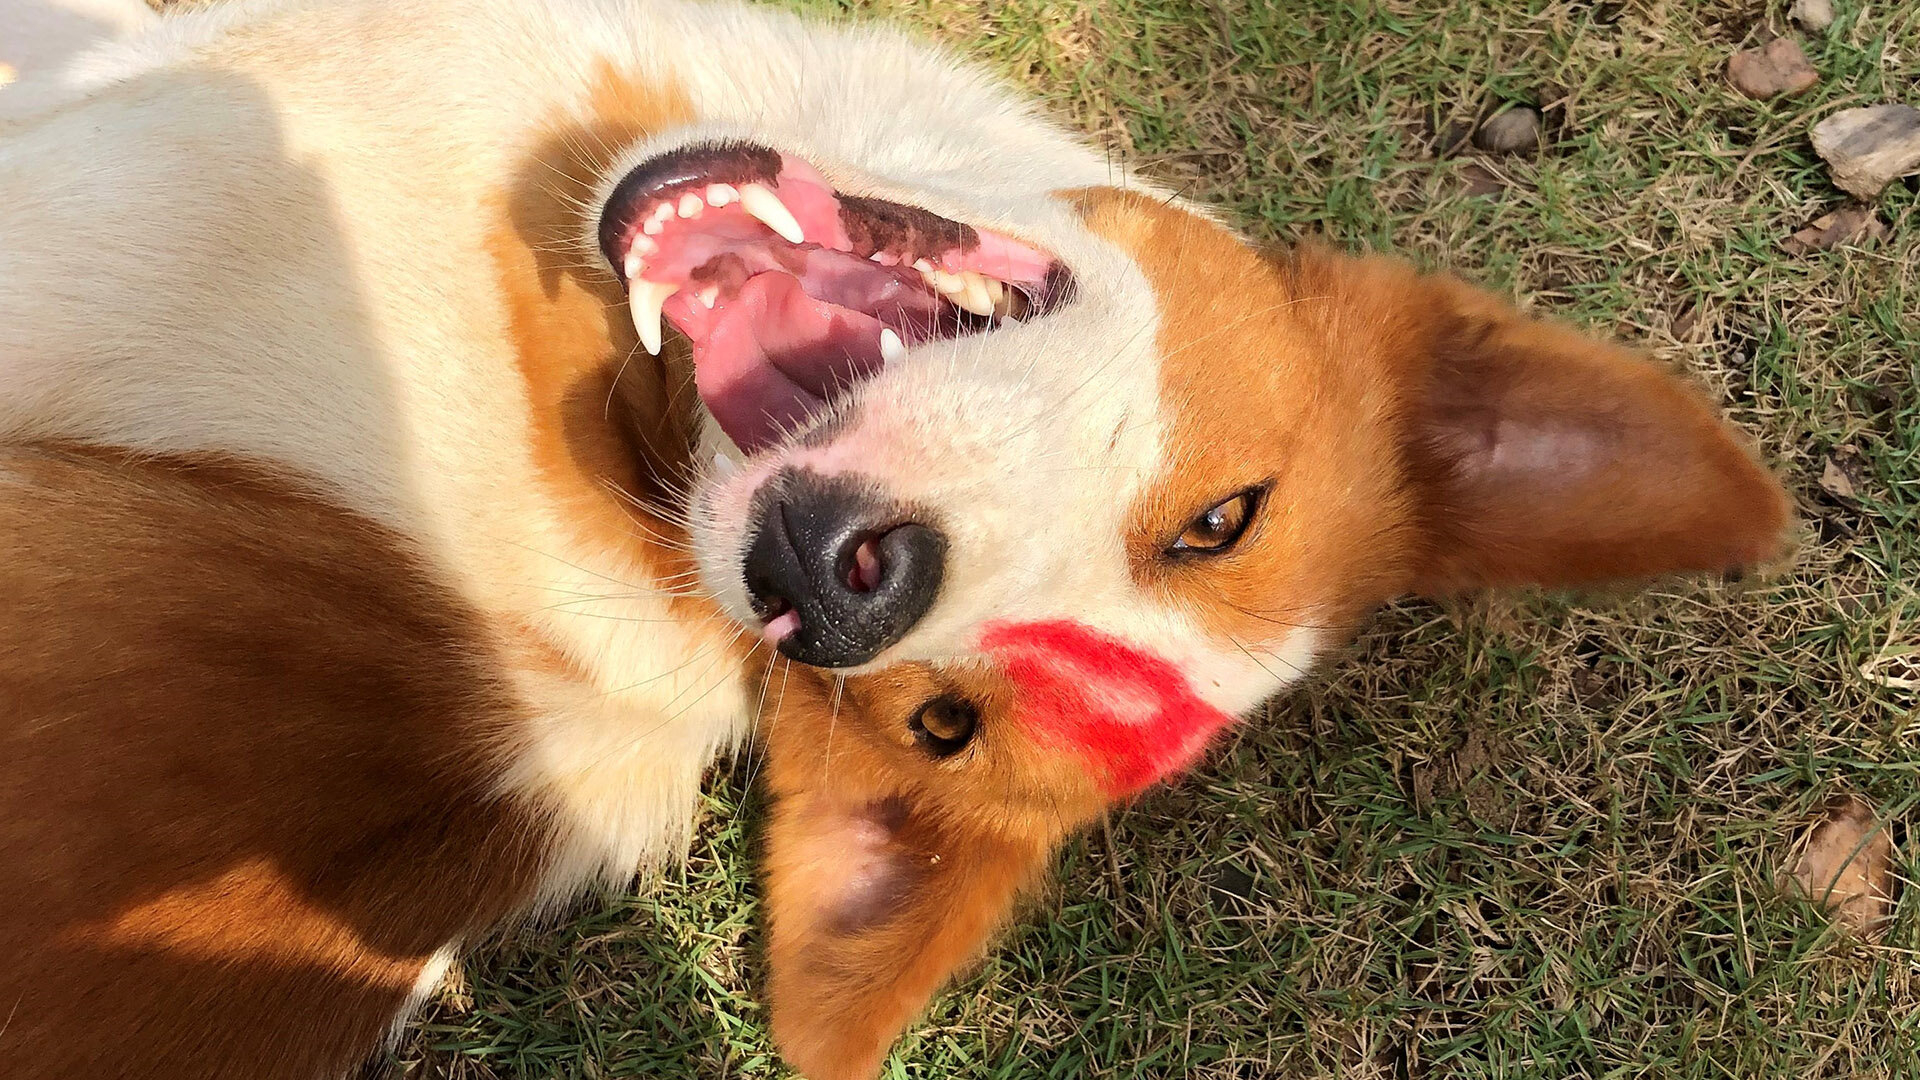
433,431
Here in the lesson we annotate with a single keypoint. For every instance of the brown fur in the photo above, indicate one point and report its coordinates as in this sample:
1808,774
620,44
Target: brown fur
248,741
612,426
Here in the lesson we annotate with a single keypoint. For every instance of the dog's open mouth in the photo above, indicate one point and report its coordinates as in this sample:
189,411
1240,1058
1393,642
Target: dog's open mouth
791,292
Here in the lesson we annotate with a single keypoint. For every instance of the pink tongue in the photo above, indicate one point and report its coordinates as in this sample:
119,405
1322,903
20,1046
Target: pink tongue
770,355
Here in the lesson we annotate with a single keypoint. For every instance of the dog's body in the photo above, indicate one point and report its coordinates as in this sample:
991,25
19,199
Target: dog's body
296,279
356,603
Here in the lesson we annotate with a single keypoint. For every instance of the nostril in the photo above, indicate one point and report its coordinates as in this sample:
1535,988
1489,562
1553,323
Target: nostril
864,571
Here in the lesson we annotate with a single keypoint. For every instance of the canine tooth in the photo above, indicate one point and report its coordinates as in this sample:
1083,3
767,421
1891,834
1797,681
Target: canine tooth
974,296
708,295
891,347
721,194
644,303
771,212
690,205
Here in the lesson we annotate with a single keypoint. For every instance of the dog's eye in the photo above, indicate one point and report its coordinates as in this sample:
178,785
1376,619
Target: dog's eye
944,725
1219,528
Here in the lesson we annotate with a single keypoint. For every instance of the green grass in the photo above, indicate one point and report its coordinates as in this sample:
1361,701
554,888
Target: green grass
1530,837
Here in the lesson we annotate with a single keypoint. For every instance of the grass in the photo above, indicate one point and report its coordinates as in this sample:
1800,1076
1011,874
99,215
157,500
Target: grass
1523,837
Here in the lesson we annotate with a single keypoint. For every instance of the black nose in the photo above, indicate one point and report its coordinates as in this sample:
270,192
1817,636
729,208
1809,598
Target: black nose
844,562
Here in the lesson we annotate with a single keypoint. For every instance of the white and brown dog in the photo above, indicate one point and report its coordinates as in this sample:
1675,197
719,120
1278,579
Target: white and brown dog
376,566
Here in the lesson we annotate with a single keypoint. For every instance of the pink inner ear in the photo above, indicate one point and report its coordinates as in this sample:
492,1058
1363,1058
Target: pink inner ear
1130,712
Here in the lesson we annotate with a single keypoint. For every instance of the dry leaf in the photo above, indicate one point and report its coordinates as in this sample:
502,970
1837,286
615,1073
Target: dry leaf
1847,867
1843,226
1843,473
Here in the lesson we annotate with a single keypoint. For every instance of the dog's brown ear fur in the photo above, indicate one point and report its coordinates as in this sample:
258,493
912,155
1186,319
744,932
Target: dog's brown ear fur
873,904
1539,456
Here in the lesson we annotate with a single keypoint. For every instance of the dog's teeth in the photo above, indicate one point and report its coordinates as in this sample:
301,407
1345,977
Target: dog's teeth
944,283
644,245
690,205
644,303
878,256
708,296
723,466
973,294
635,263
891,347
721,194
923,266
771,212
652,227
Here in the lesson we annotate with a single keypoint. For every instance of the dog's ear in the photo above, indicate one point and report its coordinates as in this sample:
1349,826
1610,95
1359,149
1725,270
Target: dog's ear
1539,456
872,906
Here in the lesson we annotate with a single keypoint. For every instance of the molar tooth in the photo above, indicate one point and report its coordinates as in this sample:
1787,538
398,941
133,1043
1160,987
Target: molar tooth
891,347
764,205
721,194
947,284
643,302
690,205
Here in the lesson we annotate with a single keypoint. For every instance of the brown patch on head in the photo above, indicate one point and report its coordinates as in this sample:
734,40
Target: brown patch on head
251,744
1261,396
1414,433
612,426
894,854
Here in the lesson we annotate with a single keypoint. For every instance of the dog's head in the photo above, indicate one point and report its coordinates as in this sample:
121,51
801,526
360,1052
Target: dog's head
1109,477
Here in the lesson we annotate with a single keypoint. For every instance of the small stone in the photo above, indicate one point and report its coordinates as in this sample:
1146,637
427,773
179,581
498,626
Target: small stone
1867,149
1513,131
1844,226
1812,15
1847,867
1779,67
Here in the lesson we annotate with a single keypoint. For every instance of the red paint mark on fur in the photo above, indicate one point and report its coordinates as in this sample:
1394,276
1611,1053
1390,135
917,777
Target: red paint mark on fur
1130,711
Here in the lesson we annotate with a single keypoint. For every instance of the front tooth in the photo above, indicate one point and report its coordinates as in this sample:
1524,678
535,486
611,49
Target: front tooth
635,263
690,205
721,194
652,227
771,212
644,303
975,297
891,347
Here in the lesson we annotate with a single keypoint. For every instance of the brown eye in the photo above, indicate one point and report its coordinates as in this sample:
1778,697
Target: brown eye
944,725
1220,527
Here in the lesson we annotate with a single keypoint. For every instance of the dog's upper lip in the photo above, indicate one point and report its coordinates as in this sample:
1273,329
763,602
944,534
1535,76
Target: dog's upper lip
791,292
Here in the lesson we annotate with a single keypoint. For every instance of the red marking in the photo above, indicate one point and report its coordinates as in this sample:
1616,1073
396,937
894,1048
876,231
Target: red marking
1131,712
